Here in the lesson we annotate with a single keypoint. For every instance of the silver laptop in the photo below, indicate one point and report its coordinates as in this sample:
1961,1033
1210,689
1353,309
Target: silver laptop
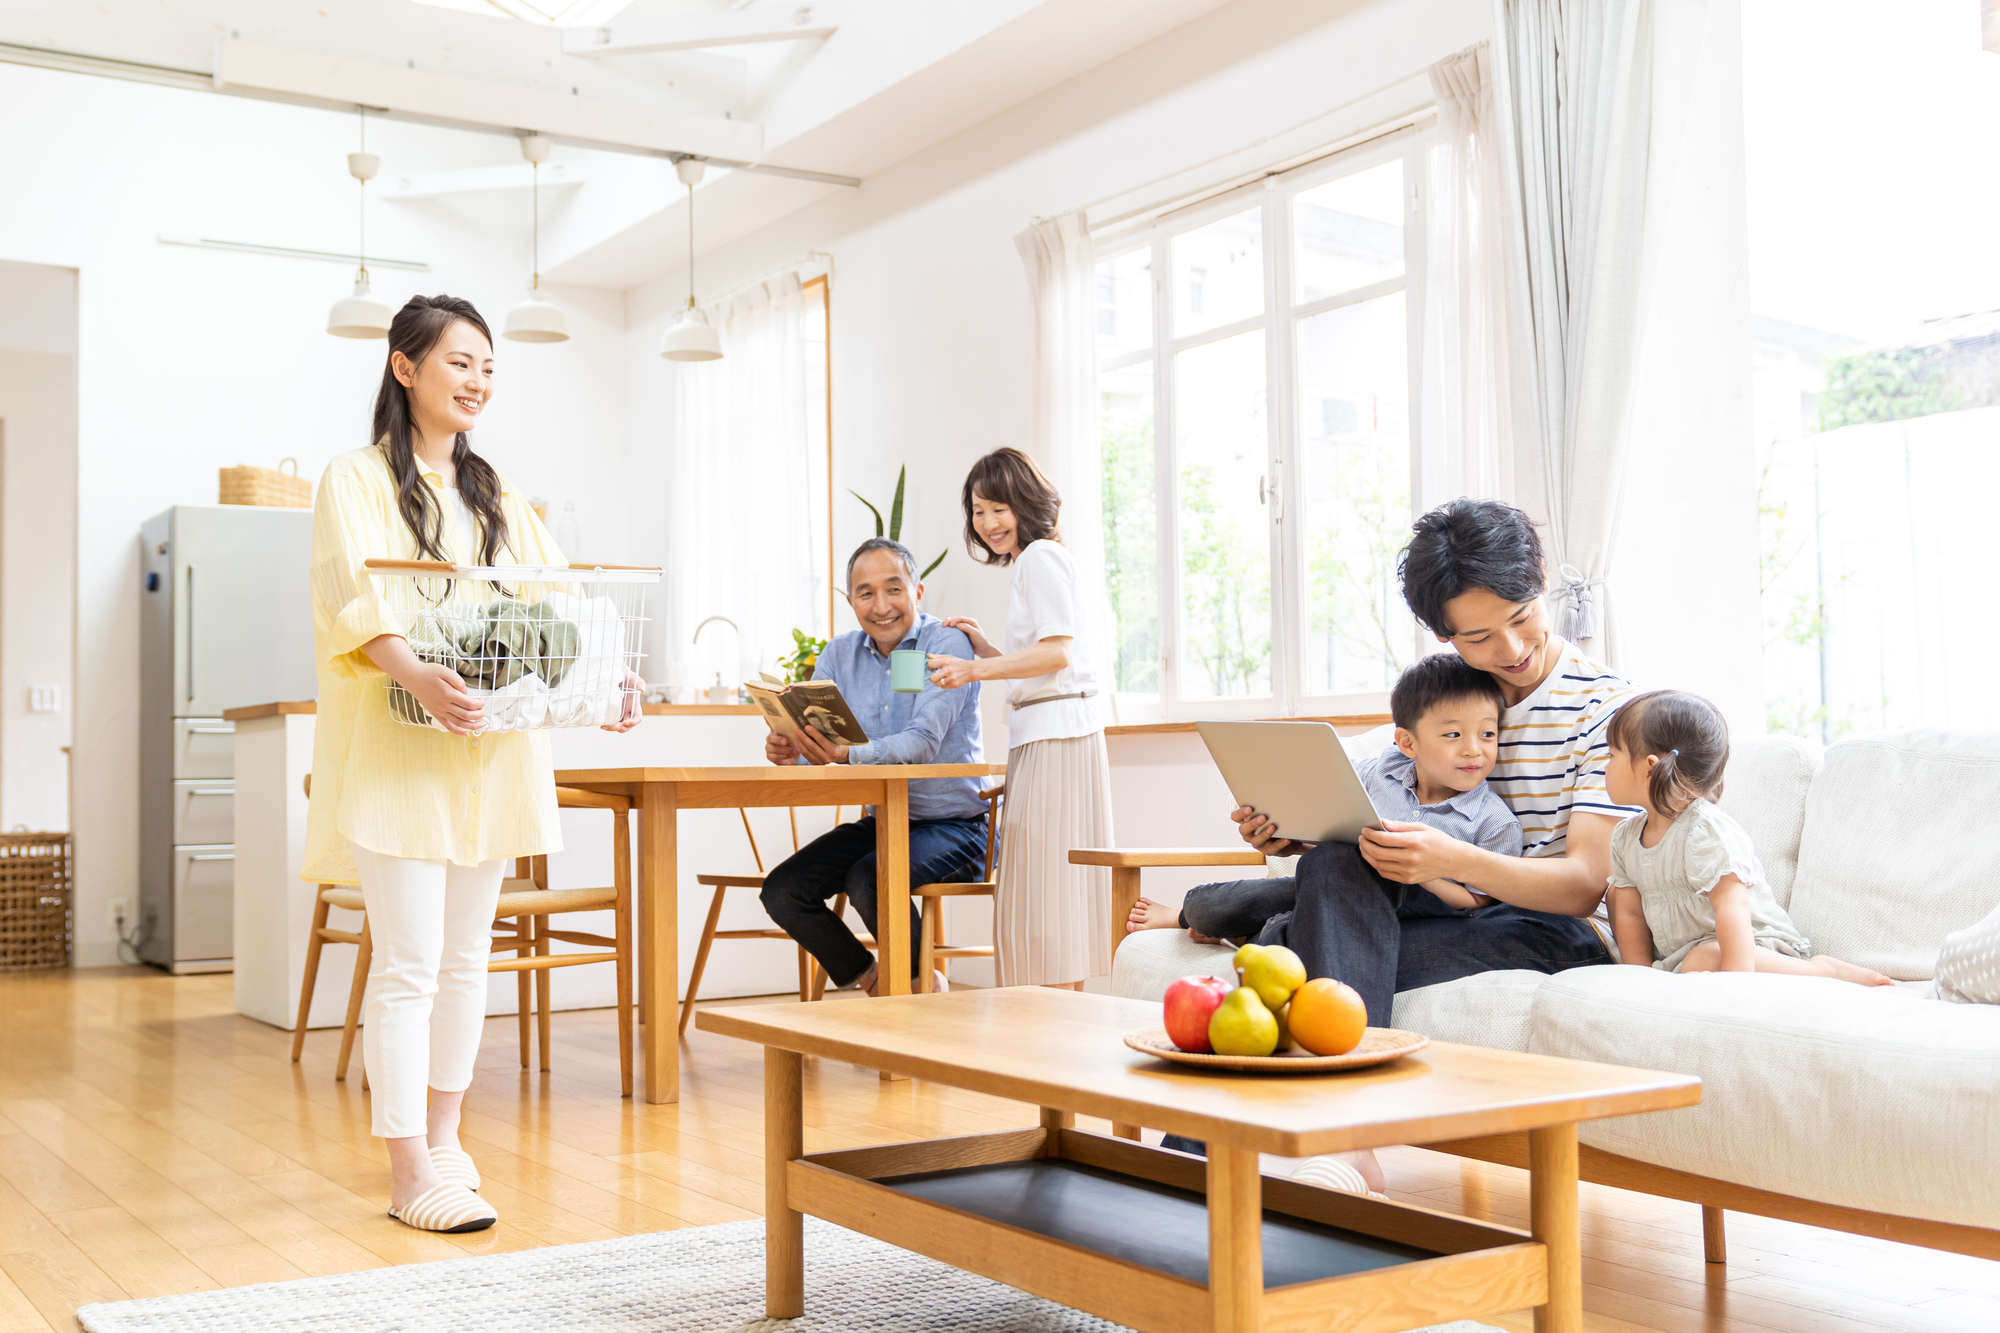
1297,774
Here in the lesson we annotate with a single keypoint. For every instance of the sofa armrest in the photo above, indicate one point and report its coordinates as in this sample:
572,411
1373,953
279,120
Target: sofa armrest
1127,863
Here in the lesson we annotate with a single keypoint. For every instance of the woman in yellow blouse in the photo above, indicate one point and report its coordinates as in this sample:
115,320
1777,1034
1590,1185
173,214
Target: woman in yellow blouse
423,820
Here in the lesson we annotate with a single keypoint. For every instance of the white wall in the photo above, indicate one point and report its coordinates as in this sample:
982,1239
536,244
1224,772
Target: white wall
37,538
191,359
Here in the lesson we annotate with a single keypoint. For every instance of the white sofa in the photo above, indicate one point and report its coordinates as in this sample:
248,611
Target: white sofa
1872,1110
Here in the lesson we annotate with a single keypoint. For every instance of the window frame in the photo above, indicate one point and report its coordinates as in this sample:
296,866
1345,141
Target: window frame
1280,322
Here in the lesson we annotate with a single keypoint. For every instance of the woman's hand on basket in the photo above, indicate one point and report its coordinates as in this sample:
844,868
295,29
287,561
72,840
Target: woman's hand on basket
635,709
442,693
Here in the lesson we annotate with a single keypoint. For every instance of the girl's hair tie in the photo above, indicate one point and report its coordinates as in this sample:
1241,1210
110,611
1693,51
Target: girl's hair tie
1675,753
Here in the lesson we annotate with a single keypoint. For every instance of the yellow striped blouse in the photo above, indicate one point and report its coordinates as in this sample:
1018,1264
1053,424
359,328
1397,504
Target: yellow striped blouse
394,789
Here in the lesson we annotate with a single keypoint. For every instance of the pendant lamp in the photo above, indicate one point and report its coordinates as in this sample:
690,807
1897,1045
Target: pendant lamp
537,319
360,315
691,337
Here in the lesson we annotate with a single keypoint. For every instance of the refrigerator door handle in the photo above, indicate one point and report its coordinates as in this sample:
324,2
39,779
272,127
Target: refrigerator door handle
214,856
190,634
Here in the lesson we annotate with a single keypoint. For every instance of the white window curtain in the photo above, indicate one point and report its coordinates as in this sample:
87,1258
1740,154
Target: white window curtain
1063,440
744,541
1467,444
1573,105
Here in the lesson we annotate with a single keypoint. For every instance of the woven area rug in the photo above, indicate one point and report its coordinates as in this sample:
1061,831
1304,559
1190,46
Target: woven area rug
697,1280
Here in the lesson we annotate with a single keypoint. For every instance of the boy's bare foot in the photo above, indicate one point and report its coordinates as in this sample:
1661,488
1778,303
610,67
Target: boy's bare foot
1149,915
1854,972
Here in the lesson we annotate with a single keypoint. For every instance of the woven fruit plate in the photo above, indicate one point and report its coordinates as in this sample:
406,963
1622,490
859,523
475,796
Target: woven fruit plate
1378,1046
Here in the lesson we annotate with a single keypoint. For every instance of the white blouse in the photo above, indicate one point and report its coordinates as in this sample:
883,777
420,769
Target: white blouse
1043,605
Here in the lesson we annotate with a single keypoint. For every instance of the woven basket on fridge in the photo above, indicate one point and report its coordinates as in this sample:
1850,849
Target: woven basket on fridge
34,901
539,645
271,487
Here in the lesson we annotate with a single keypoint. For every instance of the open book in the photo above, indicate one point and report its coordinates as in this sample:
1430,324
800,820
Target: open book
809,703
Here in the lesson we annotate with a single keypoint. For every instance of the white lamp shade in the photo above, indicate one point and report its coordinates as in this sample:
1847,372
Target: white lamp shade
690,338
536,321
359,315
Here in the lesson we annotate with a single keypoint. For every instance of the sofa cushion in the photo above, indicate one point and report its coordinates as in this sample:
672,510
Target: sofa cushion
1490,1009
1487,1010
1151,960
1765,791
1870,1097
1894,855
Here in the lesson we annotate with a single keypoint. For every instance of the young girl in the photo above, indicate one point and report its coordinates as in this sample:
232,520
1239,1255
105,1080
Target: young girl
1051,926
1688,893
425,821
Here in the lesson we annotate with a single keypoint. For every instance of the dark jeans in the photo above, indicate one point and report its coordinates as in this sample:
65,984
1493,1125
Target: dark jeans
1346,922
942,851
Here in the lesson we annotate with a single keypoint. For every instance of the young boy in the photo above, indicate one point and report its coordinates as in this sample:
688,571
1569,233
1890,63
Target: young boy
1447,717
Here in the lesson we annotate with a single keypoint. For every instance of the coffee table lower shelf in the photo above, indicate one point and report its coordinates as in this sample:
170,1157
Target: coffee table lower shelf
1127,1233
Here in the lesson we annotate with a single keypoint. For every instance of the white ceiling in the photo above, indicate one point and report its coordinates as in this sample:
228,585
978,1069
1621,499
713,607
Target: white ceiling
897,76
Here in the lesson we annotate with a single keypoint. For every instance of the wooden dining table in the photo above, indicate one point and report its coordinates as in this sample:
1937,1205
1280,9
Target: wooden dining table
660,794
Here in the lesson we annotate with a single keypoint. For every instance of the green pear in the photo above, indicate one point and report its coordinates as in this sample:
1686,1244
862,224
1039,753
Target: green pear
1274,973
1284,1017
1241,1025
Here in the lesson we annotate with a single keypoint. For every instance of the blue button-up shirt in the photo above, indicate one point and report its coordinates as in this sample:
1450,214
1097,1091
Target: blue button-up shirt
1478,816
938,726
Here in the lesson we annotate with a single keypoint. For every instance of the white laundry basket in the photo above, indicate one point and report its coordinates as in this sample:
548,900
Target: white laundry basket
539,645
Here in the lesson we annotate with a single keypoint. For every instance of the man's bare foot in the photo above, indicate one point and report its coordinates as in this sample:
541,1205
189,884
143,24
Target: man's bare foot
1149,915
1854,972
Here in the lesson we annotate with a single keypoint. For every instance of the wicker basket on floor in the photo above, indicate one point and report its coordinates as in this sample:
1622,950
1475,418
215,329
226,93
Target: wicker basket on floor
34,901
272,487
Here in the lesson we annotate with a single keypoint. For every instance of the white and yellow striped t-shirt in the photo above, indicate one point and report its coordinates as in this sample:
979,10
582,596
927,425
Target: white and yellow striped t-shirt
1553,750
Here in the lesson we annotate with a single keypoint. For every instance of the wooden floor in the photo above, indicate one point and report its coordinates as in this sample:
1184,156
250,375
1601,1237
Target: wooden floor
152,1141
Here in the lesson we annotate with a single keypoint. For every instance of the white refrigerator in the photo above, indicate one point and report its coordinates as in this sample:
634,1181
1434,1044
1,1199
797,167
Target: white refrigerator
224,623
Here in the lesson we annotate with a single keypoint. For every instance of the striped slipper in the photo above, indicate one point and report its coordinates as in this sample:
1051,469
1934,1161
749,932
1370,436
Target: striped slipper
447,1208
1330,1173
454,1167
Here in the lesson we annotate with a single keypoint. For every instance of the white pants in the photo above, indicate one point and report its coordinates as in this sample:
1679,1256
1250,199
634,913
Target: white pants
430,923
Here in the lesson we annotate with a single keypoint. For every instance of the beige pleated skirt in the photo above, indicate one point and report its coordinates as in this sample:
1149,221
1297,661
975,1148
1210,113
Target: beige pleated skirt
1052,919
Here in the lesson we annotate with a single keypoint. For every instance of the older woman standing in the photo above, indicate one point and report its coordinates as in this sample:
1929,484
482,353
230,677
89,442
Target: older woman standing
1051,926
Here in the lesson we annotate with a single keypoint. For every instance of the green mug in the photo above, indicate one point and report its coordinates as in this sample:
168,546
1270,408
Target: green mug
909,670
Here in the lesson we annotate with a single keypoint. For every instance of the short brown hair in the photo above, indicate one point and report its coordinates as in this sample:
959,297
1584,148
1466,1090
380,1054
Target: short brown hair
1689,736
1009,477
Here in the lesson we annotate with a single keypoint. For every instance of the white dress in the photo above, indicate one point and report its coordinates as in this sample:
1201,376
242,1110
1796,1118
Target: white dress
1052,919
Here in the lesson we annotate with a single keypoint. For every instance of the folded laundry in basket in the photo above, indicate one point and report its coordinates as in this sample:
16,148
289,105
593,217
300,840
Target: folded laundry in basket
512,640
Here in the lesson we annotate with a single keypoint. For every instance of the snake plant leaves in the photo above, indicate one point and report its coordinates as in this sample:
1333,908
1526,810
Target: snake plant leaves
896,506
934,564
871,509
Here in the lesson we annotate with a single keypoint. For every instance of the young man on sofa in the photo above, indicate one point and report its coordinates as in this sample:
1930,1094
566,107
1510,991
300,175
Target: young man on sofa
1473,575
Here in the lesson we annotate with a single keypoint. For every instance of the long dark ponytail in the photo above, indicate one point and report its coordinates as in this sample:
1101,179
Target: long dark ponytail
415,332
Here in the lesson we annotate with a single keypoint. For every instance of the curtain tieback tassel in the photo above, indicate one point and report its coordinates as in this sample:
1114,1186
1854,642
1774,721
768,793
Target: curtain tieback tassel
1576,618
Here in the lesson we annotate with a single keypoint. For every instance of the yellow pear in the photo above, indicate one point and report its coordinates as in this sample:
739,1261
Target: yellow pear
1284,1016
1274,973
1243,955
1241,1025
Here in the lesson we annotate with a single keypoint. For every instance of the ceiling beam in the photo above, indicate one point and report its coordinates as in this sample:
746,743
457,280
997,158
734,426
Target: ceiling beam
460,103
478,180
689,32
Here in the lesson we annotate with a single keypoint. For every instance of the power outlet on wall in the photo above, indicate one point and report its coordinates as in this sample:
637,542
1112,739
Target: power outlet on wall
44,698
121,912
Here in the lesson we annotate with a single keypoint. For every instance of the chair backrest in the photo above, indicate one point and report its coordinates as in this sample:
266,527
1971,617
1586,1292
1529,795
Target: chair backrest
995,798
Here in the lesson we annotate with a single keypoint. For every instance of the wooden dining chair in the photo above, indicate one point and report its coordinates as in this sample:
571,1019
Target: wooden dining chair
521,927
931,945
722,884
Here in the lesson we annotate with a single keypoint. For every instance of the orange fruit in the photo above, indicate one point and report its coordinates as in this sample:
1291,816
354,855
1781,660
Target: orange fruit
1327,1017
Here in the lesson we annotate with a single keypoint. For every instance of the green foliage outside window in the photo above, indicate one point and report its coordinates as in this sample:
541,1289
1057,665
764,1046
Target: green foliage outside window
1227,622
1131,551
1891,385
1354,605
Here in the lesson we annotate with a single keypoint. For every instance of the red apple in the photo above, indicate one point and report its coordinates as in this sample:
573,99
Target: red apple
1190,1002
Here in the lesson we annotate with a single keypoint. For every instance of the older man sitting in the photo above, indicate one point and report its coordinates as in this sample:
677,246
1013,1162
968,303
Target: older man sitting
947,818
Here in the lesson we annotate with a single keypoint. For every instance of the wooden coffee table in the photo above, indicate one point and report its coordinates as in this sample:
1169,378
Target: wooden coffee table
1155,1240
